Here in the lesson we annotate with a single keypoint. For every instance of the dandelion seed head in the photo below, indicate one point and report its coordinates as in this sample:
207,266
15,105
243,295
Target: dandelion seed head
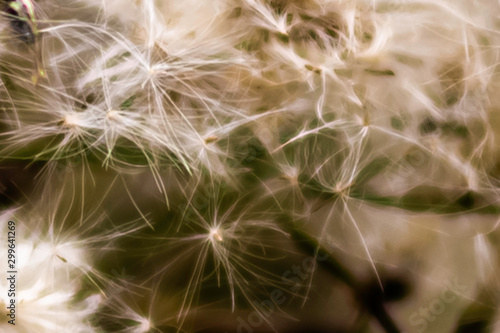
210,139
47,288
112,114
290,173
341,187
158,68
69,253
72,120
187,82
145,326
215,234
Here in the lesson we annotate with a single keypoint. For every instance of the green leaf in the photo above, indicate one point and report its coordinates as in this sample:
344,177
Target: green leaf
128,103
371,170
